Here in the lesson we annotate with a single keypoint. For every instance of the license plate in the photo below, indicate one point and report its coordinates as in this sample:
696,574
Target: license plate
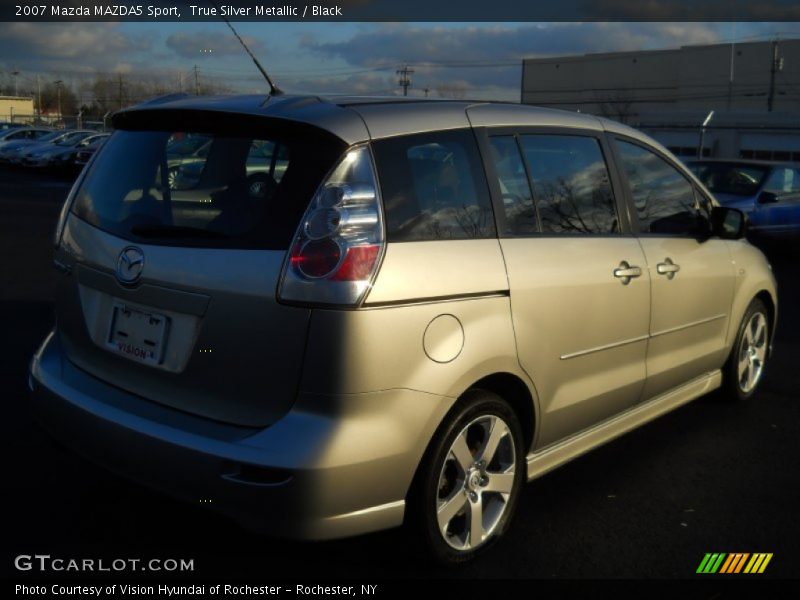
137,334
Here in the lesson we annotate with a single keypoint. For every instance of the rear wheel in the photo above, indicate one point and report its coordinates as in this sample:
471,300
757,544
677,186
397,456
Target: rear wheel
468,485
745,367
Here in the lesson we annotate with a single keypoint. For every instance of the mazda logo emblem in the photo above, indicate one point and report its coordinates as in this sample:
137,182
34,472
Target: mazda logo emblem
130,265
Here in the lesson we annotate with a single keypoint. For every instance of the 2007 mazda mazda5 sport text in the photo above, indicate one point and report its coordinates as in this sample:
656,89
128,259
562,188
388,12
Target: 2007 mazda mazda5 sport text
333,316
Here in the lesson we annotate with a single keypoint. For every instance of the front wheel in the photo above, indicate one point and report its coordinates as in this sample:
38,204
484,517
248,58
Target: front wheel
469,482
745,367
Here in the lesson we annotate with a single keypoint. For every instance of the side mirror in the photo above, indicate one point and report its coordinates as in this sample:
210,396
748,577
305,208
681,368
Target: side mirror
767,198
728,223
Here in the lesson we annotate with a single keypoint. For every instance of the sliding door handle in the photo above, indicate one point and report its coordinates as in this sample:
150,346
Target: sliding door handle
626,272
668,268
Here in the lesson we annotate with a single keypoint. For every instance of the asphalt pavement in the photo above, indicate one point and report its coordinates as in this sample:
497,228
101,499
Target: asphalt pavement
709,477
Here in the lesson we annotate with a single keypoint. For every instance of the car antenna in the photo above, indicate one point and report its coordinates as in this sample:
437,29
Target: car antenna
274,89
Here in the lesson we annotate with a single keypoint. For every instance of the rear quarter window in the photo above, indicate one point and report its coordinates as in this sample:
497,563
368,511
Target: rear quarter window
434,187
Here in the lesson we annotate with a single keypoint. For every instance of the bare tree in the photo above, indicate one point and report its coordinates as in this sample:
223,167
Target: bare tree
455,90
619,106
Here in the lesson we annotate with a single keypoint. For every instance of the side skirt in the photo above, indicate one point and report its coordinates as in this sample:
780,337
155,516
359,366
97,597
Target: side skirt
562,452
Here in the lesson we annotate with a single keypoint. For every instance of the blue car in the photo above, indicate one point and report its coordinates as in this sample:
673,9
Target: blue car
768,192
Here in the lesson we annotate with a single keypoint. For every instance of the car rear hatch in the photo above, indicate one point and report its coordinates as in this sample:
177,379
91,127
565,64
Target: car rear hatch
169,283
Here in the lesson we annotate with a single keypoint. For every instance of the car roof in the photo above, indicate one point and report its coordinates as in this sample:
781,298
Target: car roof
360,118
744,161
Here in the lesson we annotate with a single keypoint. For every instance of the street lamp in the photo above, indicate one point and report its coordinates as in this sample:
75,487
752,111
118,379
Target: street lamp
707,120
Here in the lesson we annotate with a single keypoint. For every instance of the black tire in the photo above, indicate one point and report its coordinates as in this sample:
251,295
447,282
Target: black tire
476,413
734,386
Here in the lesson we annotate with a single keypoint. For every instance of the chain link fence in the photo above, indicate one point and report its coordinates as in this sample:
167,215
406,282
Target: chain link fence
62,122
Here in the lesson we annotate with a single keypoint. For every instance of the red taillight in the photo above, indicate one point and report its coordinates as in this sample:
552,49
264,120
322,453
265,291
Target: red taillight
358,263
317,258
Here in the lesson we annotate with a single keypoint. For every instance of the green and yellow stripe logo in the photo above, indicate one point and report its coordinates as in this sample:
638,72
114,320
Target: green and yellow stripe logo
735,562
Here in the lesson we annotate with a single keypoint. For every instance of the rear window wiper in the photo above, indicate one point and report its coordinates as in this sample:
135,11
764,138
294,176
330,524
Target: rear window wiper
175,231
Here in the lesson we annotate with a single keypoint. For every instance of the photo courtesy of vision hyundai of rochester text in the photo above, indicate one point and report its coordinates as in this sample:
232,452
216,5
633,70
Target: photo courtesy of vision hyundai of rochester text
337,315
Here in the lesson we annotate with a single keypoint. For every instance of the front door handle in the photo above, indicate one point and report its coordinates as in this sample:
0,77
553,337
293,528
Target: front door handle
668,268
626,272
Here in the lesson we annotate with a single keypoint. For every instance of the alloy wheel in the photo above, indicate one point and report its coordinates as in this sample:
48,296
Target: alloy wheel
752,352
476,482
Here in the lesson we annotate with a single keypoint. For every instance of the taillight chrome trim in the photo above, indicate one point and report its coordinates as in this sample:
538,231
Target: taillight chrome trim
358,289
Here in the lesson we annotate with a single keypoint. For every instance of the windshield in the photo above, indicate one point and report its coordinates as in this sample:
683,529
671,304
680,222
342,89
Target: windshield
73,138
730,178
88,141
236,192
48,137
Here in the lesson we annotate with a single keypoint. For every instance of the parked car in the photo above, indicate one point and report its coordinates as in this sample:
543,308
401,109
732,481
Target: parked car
64,160
768,192
261,169
89,147
44,155
11,152
438,301
10,136
184,148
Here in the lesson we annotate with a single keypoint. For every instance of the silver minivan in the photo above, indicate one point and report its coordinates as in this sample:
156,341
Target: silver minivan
355,313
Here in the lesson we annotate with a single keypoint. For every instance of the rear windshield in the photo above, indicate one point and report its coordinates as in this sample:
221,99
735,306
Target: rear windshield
730,178
203,189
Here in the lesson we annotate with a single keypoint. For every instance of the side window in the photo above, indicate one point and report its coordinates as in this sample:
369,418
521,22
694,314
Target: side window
434,187
784,181
520,214
571,184
664,199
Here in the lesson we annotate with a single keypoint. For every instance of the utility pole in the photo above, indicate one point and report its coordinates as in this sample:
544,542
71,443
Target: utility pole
405,79
58,92
196,81
731,69
776,65
119,89
15,73
39,97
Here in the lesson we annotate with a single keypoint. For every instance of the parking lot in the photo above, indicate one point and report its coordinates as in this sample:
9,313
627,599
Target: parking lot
710,477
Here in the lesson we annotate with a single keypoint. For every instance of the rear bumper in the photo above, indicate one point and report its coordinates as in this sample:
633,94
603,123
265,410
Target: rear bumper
334,466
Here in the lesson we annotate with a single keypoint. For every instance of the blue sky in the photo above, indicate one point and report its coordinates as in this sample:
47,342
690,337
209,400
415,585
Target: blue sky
480,59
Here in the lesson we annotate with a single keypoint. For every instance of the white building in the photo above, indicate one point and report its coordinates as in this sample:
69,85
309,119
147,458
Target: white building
753,89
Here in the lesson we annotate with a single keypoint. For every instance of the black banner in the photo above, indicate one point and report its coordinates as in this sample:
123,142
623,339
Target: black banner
395,11
716,588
